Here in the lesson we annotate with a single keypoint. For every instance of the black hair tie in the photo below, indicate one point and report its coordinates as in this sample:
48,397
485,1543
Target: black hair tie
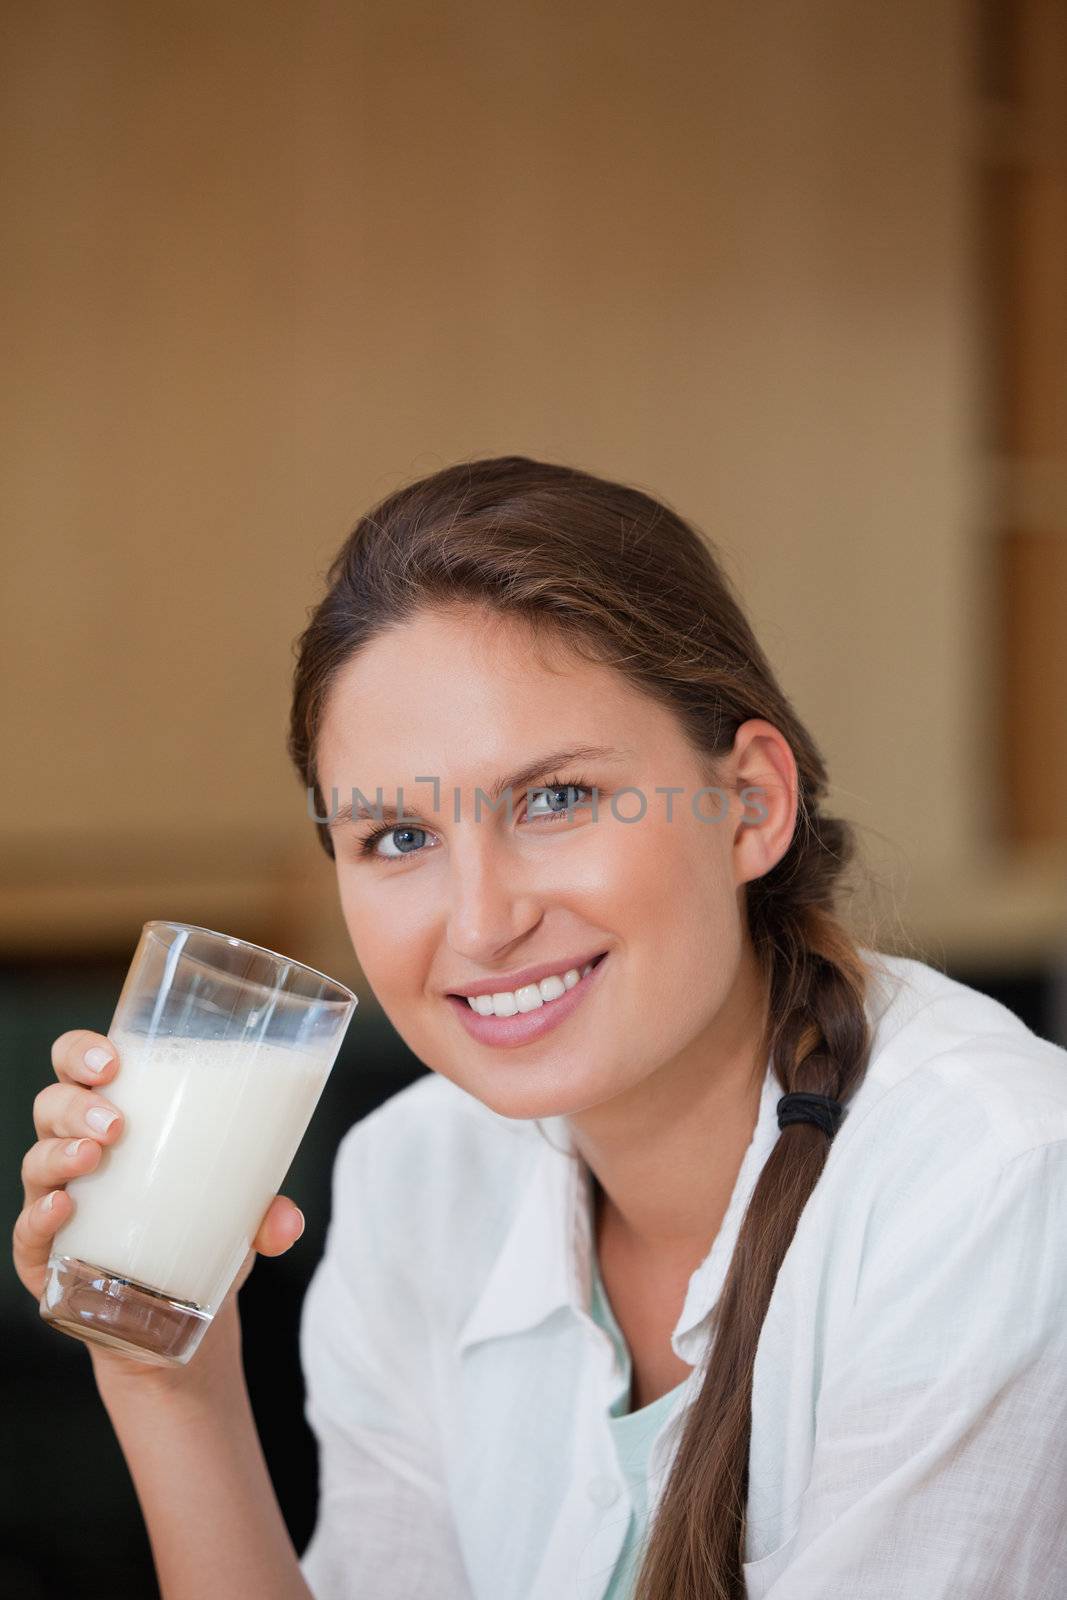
818,1108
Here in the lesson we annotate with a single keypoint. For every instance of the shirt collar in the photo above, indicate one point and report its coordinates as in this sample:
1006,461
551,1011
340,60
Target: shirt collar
545,1262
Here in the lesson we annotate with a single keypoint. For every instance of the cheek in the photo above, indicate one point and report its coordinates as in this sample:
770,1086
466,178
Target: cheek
673,872
684,913
354,907
385,930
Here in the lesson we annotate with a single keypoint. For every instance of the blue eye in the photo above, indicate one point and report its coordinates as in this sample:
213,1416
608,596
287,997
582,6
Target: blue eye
368,846
563,793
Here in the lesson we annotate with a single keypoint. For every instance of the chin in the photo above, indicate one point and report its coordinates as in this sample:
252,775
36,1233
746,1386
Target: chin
525,1093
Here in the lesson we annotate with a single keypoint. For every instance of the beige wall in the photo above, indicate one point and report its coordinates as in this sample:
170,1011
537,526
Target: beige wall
271,260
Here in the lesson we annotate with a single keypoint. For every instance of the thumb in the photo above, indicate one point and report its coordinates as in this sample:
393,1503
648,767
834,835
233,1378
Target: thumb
280,1228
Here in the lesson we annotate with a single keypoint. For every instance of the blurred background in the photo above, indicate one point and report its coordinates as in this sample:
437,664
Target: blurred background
800,270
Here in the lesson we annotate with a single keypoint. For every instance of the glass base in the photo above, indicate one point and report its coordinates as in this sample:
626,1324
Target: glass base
101,1307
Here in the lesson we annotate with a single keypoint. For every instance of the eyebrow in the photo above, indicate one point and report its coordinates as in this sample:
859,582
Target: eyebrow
525,775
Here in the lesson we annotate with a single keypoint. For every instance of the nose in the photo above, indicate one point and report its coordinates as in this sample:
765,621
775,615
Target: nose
491,903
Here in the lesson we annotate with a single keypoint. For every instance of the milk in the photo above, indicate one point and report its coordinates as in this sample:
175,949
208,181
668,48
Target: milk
210,1130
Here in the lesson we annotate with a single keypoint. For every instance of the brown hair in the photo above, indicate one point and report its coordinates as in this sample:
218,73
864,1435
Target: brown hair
623,580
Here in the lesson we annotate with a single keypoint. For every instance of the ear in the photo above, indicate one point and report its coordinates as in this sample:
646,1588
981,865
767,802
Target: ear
763,775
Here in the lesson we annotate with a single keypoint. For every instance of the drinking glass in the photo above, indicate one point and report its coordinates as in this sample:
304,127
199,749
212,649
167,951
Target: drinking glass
224,1049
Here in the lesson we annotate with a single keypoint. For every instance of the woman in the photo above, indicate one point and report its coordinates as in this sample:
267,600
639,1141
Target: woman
718,1255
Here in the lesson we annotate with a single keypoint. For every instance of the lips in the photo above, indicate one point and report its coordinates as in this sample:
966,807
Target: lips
526,1026
507,983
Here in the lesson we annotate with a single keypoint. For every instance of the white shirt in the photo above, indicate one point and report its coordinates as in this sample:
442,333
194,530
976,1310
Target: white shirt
909,1410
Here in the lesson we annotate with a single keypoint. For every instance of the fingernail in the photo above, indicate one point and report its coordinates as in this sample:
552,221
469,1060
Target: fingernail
300,1214
97,1058
47,1202
100,1119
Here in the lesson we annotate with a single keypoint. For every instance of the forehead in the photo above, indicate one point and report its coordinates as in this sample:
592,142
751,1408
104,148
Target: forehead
445,690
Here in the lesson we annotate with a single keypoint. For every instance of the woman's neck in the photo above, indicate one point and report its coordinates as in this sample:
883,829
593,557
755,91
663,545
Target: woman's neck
664,1156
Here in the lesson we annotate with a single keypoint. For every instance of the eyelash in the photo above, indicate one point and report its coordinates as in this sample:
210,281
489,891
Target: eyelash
366,847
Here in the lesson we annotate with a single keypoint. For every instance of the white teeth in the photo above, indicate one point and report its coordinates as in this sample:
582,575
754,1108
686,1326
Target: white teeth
530,997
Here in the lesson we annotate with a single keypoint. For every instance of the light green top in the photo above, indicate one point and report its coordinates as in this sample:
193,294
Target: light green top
633,1432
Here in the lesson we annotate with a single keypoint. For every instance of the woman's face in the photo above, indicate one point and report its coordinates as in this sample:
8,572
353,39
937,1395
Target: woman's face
460,895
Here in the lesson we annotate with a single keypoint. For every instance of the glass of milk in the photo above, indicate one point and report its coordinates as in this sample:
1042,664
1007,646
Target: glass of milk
224,1049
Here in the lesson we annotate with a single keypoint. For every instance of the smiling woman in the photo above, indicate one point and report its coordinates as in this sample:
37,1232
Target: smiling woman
813,1337
718,1255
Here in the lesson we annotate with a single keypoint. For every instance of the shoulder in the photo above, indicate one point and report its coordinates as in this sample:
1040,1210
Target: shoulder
432,1178
952,1067
431,1123
959,1124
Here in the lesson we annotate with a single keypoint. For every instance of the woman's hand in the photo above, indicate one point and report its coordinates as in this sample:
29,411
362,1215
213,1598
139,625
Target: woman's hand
74,1120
